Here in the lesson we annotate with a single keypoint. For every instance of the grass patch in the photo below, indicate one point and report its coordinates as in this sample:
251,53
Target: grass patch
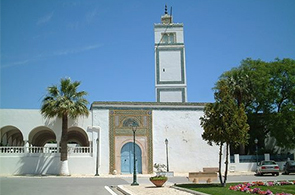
279,189
216,189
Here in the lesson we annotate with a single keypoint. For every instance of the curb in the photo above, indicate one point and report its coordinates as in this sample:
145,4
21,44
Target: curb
120,188
189,191
126,192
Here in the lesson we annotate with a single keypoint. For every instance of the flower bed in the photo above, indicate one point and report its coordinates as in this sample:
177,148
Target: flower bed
252,187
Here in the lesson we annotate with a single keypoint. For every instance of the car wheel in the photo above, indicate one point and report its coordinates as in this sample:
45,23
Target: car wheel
258,174
286,172
277,174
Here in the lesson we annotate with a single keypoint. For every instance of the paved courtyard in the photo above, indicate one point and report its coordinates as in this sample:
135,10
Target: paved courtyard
49,185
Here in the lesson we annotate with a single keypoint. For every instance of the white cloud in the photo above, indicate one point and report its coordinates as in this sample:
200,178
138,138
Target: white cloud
90,15
52,54
15,63
76,50
45,18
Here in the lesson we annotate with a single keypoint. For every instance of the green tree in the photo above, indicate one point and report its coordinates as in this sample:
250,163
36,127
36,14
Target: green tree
282,102
64,102
240,88
267,90
225,124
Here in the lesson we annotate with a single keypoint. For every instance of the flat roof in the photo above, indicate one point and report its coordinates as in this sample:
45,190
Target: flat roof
171,25
148,105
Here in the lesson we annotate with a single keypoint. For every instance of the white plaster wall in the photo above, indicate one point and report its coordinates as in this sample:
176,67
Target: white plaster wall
43,164
28,119
80,165
188,152
177,30
101,119
29,164
24,120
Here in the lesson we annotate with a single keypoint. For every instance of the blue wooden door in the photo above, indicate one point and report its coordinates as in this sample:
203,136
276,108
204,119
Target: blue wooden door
127,159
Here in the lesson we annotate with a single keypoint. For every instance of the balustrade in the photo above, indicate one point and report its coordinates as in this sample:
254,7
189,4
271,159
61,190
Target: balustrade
12,149
39,150
79,150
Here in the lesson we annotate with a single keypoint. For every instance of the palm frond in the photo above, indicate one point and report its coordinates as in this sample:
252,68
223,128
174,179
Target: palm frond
65,100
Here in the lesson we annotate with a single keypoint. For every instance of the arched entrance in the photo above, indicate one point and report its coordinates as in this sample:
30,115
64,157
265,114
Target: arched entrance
78,136
127,162
41,135
11,136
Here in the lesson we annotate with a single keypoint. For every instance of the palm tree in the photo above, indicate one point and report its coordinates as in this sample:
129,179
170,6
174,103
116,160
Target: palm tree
239,84
64,102
240,87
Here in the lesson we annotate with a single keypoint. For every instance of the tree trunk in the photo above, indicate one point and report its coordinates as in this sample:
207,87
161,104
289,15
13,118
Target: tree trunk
219,168
242,149
226,165
64,168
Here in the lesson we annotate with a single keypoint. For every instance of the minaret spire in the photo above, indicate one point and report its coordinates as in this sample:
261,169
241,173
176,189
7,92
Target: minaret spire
167,19
166,12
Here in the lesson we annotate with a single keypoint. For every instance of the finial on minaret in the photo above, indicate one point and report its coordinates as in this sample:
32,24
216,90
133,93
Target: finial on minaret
167,19
166,12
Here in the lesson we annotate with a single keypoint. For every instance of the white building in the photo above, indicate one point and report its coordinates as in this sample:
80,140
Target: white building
103,142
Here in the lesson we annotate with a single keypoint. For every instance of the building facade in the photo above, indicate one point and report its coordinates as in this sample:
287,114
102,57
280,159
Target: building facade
102,143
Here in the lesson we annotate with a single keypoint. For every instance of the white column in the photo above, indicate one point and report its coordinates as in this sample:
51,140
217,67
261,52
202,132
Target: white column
26,146
237,158
96,147
266,157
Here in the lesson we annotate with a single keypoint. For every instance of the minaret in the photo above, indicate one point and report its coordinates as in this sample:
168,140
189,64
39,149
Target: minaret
170,71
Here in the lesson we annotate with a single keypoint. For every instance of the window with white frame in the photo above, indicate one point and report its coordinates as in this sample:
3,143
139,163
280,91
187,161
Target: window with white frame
168,38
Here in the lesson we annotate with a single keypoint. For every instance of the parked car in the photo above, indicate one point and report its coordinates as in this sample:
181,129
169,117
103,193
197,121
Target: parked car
289,167
265,167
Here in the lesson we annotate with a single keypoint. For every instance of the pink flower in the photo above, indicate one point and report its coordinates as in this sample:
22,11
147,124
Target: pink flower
245,187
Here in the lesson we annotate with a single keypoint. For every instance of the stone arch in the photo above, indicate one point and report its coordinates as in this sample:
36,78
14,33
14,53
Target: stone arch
78,135
137,142
41,135
11,136
140,143
130,122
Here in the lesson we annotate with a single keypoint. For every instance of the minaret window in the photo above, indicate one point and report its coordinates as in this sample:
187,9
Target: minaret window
168,38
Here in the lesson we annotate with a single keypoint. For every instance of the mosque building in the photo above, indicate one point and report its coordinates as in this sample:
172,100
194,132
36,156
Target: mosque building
102,143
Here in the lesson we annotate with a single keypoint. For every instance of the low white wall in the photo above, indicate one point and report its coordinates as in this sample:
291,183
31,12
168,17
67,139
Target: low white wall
249,166
44,164
82,165
242,167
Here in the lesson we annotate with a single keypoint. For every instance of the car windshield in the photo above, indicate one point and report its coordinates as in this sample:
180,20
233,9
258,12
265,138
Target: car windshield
269,163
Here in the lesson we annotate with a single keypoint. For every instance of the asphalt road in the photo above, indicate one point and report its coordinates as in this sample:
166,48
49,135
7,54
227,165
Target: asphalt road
56,185
95,185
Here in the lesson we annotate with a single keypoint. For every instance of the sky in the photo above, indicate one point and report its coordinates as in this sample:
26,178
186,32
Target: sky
108,45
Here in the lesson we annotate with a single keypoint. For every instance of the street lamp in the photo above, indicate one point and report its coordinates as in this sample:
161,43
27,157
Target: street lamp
256,150
134,183
166,142
97,149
